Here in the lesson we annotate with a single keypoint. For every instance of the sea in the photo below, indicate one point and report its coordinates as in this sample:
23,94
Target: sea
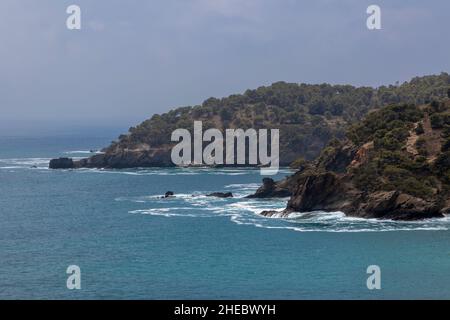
129,243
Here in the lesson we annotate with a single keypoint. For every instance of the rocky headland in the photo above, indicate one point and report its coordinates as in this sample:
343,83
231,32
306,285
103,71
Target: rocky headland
308,117
393,165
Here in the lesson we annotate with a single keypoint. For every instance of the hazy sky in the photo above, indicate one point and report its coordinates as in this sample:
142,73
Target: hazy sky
134,58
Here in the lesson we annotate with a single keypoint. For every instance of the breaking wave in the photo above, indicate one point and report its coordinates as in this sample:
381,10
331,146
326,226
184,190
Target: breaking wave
238,209
178,171
83,152
24,163
244,211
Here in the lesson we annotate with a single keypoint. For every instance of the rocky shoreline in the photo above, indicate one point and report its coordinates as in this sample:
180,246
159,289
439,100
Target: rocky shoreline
395,164
367,180
332,192
118,160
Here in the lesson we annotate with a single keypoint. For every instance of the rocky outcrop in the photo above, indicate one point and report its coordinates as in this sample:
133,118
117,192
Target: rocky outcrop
61,163
329,192
168,194
120,159
371,180
317,192
397,206
220,195
446,209
271,189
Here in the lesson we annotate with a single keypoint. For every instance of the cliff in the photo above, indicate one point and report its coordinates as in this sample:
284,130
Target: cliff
395,164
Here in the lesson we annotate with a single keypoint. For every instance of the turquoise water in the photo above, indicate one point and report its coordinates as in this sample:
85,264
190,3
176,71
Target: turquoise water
130,244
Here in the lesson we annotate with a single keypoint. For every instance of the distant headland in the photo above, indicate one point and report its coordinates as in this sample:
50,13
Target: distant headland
308,117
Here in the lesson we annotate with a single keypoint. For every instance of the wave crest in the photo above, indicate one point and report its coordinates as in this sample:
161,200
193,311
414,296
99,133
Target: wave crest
247,212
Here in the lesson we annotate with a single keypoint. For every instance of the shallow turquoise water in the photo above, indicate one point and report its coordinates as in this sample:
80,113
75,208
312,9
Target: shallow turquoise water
131,244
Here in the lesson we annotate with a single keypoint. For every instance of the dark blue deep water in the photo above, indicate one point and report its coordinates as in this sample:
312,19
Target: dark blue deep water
131,245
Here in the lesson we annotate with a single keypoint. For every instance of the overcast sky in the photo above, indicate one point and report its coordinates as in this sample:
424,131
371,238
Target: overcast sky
134,58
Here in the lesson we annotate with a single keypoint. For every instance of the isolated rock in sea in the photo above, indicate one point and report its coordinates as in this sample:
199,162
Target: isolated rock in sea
270,189
168,194
220,194
61,163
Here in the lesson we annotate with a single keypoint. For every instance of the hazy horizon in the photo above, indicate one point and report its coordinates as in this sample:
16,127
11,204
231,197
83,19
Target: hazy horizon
129,62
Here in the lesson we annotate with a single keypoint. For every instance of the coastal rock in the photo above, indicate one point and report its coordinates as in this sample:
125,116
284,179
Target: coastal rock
446,209
368,179
270,189
121,159
339,160
325,193
168,194
61,163
398,206
220,194
378,204
316,193
273,213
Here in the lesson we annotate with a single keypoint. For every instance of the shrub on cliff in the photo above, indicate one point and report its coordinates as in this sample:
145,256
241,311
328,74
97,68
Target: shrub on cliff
389,127
388,165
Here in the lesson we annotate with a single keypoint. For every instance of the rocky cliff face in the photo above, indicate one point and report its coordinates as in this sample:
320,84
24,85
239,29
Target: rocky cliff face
378,173
271,189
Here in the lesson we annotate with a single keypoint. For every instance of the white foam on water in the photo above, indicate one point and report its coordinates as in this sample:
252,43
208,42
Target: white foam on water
164,212
89,152
26,162
247,212
78,152
167,171
239,209
249,187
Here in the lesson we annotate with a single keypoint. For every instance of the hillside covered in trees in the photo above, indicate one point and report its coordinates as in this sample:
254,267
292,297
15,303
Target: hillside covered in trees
394,164
308,116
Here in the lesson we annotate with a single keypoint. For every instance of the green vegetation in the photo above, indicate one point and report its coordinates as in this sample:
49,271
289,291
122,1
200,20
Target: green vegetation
298,164
308,116
388,165
388,128
421,146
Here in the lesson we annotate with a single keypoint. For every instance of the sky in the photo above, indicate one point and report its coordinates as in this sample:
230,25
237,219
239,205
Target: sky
134,58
